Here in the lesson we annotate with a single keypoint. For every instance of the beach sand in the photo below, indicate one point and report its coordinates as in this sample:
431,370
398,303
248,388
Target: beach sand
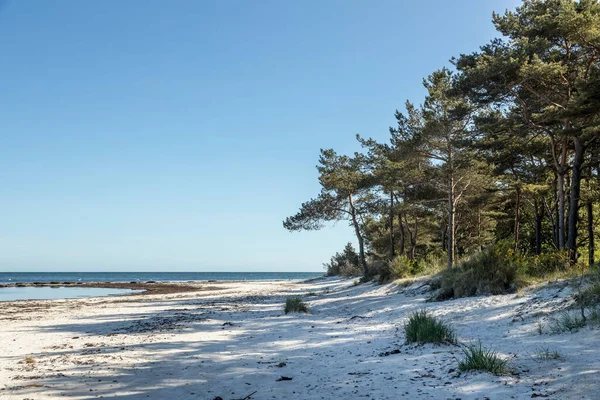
231,340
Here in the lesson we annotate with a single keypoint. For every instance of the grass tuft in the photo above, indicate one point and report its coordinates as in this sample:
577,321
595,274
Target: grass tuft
539,326
295,304
567,321
422,327
478,358
547,354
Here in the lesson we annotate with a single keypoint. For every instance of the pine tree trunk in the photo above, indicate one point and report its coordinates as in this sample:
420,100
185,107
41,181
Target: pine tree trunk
412,236
539,217
392,244
413,242
451,246
590,223
561,171
401,244
517,217
361,245
444,237
574,200
561,210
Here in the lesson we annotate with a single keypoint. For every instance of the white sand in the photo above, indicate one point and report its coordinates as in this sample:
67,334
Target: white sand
177,346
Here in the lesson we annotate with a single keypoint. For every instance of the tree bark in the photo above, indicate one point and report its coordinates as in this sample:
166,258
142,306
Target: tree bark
451,245
590,227
539,217
451,205
574,200
412,236
361,244
392,244
561,170
401,244
517,217
444,237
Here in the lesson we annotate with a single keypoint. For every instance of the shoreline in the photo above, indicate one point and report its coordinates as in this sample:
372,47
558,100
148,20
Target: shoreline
143,288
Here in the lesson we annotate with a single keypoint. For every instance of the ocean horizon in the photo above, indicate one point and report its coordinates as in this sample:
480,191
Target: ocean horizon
29,277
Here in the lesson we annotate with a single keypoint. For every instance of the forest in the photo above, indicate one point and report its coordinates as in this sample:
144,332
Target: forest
495,177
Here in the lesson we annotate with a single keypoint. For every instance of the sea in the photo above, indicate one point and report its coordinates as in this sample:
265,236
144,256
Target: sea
29,277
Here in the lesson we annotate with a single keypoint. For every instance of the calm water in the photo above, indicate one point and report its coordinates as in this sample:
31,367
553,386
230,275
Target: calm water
16,277
40,293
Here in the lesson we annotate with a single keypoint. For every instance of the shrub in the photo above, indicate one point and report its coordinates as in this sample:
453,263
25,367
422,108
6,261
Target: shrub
295,304
422,327
402,267
478,358
346,263
493,270
547,263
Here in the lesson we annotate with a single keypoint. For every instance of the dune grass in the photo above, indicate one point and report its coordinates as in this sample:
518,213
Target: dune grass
422,327
478,358
295,304
544,353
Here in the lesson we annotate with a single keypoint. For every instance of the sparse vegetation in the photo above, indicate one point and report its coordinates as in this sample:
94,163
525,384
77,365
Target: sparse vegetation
539,326
29,360
478,358
295,304
567,321
422,327
311,294
547,354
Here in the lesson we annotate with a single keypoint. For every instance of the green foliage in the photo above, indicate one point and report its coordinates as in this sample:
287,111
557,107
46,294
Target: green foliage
346,263
500,269
478,358
422,327
504,149
401,267
295,304
493,270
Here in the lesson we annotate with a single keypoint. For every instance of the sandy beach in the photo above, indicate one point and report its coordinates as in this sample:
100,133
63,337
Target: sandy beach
232,340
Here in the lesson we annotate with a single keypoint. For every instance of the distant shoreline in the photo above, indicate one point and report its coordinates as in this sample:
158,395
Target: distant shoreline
76,278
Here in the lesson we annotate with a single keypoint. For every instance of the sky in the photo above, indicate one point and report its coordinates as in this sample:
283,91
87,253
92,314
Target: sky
142,135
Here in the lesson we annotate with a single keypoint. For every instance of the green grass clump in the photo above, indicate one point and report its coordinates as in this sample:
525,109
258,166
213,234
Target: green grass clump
547,354
478,358
567,321
422,327
295,304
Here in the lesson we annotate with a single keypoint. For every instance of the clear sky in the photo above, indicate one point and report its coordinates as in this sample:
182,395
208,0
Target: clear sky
177,135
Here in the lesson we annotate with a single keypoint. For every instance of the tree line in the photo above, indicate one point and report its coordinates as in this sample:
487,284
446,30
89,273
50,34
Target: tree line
504,147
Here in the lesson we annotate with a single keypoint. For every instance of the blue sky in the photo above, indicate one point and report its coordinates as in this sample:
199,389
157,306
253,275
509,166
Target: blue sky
177,135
